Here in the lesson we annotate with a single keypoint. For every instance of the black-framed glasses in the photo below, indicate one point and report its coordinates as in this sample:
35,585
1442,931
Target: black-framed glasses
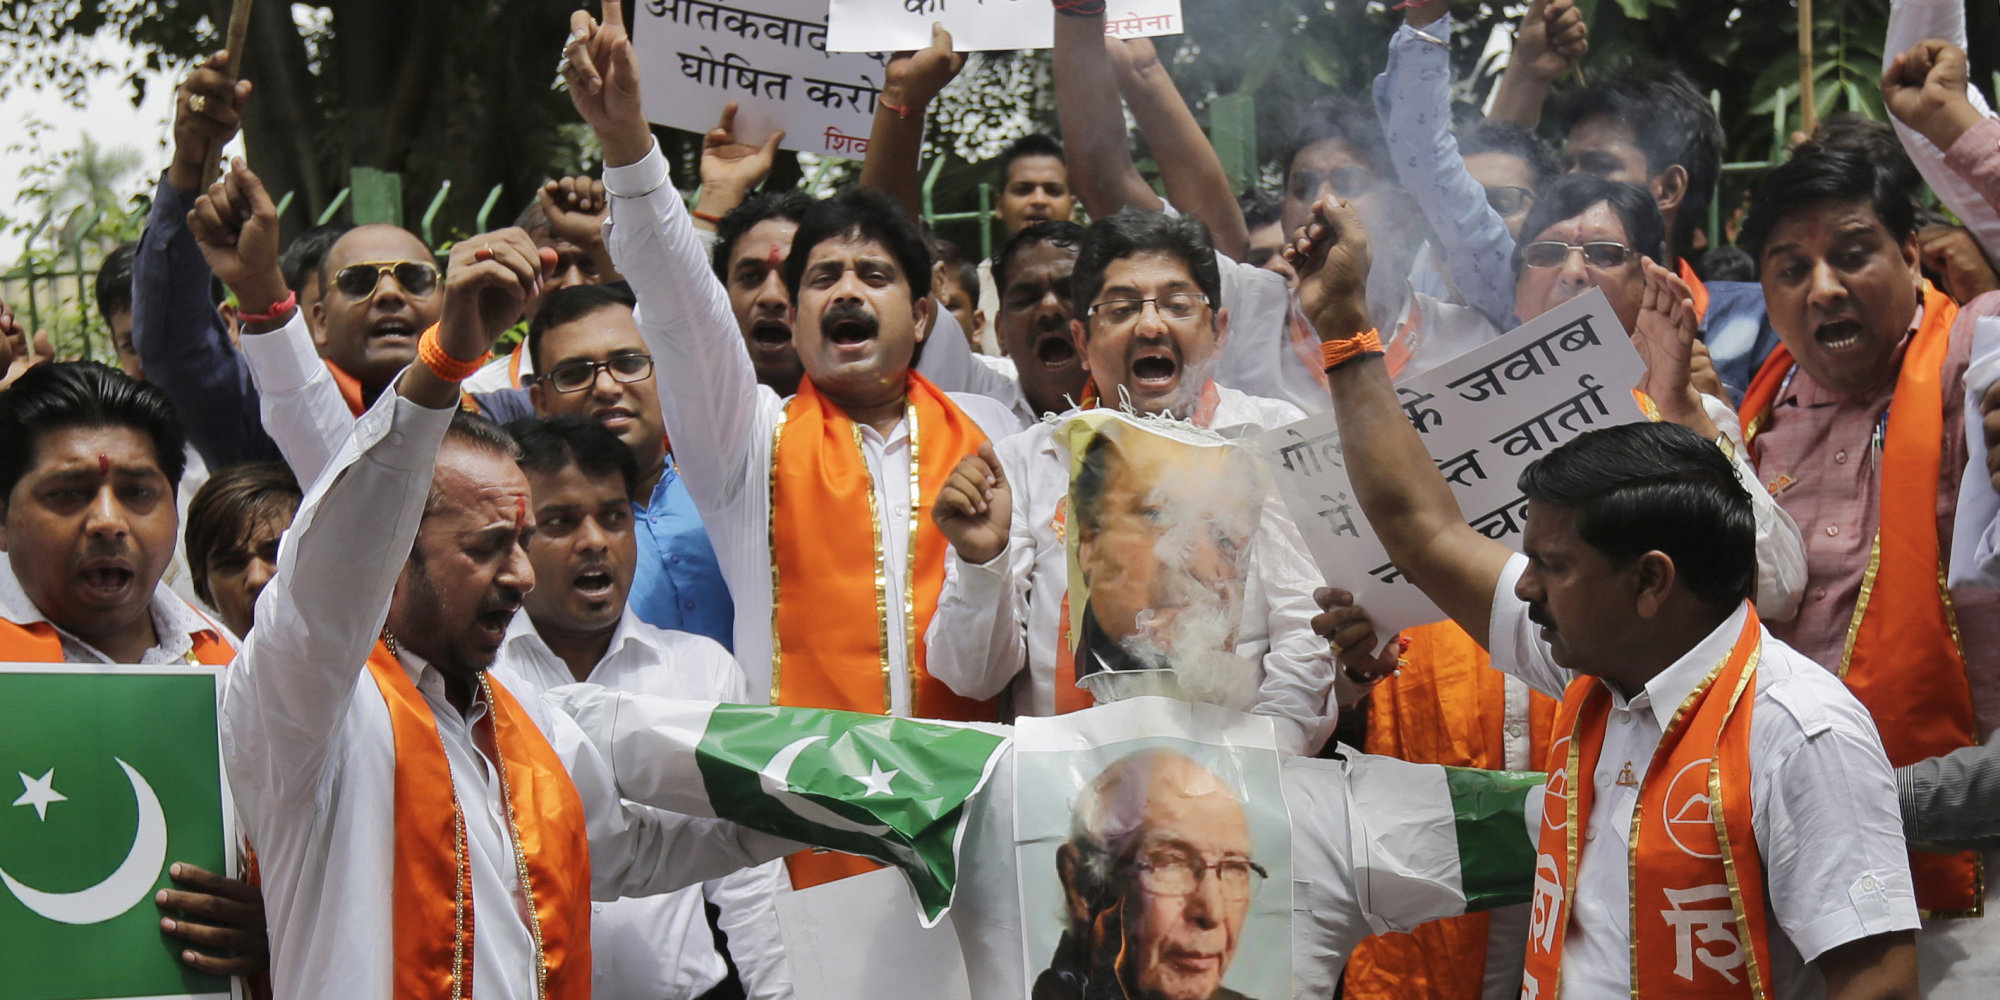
1603,255
359,281
1508,199
1171,871
1174,307
576,376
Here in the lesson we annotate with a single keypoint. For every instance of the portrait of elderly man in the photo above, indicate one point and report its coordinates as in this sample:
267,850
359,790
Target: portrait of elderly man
1163,519
1157,879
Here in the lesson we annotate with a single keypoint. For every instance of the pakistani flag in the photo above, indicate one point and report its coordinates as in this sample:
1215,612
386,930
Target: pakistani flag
106,775
882,787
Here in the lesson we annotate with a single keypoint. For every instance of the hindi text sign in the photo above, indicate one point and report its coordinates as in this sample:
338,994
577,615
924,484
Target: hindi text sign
768,56
1484,415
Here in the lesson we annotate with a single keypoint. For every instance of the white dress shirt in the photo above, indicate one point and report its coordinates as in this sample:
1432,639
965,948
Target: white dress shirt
307,739
297,400
1823,805
175,623
660,947
996,617
721,420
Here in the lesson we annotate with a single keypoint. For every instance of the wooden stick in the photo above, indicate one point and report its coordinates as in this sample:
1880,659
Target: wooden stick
1808,108
239,31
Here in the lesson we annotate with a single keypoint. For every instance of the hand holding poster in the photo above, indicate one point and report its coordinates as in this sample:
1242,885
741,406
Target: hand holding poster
975,25
768,56
1484,415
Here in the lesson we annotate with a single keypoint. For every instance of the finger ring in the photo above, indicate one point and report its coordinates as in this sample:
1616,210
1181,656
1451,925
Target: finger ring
197,103
483,253
563,65
1335,643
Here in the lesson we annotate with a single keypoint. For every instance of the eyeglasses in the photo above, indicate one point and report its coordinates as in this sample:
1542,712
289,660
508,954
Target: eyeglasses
1174,307
1508,200
1553,253
1173,872
576,376
359,281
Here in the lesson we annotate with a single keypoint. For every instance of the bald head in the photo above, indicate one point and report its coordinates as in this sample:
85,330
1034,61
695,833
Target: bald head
370,329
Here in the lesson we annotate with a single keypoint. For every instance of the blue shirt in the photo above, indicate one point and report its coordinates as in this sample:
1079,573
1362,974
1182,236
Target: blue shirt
678,583
1738,332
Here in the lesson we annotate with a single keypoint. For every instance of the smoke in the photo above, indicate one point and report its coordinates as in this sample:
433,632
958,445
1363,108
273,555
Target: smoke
1396,235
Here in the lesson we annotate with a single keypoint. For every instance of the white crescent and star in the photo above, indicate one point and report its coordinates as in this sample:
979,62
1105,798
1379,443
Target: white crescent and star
39,792
775,779
124,888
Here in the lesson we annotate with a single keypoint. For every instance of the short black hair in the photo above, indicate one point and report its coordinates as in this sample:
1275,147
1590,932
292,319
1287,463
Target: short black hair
61,395
790,206
234,499
1032,144
864,214
303,254
1059,232
1132,232
1671,123
962,268
1570,195
1347,121
567,305
1829,175
1848,132
1725,263
1644,487
1260,208
114,280
551,444
1489,136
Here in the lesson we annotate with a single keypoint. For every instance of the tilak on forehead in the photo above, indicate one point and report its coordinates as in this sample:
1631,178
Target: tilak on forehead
776,255
103,464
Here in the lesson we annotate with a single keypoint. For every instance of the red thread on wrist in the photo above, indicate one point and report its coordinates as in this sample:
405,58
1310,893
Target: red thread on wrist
1334,353
711,219
279,310
900,110
1080,8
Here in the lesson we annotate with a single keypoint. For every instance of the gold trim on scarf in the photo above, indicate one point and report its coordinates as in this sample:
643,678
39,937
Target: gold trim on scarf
1861,605
771,529
881,577
1722,830
513,828
1572,832
910,572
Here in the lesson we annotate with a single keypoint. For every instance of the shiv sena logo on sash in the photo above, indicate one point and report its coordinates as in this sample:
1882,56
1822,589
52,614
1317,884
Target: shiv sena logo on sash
1698,903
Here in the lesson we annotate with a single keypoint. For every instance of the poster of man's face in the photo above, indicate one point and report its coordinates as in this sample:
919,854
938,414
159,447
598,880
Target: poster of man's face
1163,518
1154,869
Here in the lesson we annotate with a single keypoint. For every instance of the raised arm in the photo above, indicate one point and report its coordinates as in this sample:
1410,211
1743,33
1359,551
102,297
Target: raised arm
1189,169
1933,108
709,393
1552,38
730,170
1407,501
896,141
1098,152
978,638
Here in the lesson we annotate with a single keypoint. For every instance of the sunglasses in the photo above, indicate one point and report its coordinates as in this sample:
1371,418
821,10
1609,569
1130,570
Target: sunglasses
359,281
576,376
1553,253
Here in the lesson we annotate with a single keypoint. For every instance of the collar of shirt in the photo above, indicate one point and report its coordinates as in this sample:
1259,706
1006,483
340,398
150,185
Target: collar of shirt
524,650
1664,693
1802,391
174,620
430,683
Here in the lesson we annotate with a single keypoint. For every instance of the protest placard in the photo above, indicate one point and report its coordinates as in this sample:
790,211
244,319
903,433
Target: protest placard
1484,416
771,58
975,25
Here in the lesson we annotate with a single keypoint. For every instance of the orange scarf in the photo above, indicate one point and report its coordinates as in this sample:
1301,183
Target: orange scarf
37,642
1903,658
1697,291
433,887
827,588
1446,707
1697,880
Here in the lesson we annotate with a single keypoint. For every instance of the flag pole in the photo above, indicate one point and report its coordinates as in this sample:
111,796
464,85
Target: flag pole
239,31
1808,108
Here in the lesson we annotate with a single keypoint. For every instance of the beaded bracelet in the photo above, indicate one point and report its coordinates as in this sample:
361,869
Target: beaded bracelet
1334,353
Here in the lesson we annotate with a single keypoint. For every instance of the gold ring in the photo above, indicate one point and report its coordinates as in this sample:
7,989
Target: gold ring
197,103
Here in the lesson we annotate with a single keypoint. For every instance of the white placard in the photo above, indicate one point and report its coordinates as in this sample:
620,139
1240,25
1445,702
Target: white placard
858,939
1484,415
976,25
770,57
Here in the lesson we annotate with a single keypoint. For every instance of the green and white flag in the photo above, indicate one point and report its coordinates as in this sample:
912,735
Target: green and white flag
882,787
107,773
1431,841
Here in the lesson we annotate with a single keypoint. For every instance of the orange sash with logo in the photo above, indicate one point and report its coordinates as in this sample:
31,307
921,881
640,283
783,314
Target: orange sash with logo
1697,878
1903,658
37,642
433,889
828,593
1446,707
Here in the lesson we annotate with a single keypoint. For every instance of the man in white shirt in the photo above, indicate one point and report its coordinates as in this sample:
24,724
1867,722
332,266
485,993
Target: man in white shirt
1145,285
576,626
374,877
1640,562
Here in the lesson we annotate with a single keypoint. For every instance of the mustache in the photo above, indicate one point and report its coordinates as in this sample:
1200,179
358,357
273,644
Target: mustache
844,312
1540,616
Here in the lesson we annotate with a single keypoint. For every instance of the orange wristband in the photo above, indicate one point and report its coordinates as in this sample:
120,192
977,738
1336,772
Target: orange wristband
443,365
1334,353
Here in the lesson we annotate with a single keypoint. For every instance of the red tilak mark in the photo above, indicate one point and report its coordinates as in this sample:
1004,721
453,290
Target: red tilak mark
103,464
775,257
1402,644
520,513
